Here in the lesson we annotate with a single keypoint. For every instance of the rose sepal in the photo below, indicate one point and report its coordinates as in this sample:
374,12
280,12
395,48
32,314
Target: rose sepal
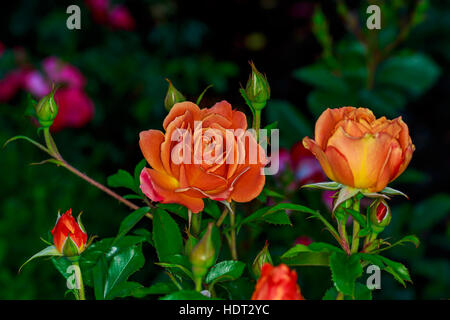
49,251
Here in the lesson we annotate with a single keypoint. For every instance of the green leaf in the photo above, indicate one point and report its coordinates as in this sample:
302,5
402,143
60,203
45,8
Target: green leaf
212,208
157,288
122,179
185,295
130,221
125,289
430,212
265,211
410,238
320,76
122,266
323,186
166,235
224,271
178,209
421,72
392,192
330,294
345,270
397,269
47,252
177,263
279,218
301,255
290,119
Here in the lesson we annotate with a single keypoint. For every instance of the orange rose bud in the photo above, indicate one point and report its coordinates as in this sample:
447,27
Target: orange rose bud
358,150
69,236
277,283
190,162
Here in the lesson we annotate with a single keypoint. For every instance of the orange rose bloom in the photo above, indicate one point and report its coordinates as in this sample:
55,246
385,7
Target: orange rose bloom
358,150
277,283
201,155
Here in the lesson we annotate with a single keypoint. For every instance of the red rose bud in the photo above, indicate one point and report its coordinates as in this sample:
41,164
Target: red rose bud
257,89
304,240
202,255
261,259
173,96
277,283
69,236
47,109
380,215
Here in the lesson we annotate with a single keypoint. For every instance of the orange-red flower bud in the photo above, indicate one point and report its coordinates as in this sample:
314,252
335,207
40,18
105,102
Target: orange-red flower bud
69,236
277,283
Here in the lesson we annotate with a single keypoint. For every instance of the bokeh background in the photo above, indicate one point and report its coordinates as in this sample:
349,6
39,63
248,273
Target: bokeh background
316,54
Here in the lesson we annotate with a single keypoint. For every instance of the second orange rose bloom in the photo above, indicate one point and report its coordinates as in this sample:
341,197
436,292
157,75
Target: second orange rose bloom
358,150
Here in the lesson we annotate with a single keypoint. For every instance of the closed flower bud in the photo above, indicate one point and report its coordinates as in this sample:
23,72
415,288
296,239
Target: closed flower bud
261,259
277,283
47,109
257,89
69,236
380,215
190,244
202,255
173,96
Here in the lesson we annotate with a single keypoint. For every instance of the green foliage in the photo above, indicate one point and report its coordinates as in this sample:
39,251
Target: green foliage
166,235
345,270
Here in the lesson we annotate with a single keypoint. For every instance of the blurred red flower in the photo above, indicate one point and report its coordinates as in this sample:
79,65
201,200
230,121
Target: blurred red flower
306,167
277,283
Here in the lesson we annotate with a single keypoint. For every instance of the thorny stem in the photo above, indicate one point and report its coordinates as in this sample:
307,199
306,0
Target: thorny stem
53,151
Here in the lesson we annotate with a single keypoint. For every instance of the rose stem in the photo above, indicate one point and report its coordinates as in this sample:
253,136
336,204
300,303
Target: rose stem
355,237
79,280
55,153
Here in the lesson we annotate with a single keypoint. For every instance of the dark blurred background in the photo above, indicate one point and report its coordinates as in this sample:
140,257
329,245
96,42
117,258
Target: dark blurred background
316,54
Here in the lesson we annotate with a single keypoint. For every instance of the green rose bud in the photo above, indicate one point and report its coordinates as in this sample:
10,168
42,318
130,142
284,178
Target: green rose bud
262,258
190,244
173,96
380,215
47,109
257,89
202,255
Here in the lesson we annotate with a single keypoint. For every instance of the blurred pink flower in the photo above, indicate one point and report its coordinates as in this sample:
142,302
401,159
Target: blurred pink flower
75,109
63,73
303,9
305,240
327,198
35,83
10,84
120,18
2,48
305,166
